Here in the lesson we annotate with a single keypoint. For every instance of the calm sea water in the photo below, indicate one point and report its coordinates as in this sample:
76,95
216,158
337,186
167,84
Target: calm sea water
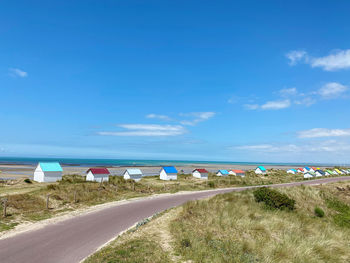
122,162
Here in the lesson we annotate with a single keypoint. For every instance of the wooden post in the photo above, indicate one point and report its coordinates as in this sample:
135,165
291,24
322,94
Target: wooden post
75,196
164,187
133,185
4,201
47,201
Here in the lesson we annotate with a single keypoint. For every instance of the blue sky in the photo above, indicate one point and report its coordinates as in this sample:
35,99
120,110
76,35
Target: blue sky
188,80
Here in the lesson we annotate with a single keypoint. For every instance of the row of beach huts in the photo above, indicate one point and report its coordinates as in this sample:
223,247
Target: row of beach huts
52,172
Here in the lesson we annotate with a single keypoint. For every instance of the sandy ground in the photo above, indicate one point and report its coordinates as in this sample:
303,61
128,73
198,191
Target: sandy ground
19,171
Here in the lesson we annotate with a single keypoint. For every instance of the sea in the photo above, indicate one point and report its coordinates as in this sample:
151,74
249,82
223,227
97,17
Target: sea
132,162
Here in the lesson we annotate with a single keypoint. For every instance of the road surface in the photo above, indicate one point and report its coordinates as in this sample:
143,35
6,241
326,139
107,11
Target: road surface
74,239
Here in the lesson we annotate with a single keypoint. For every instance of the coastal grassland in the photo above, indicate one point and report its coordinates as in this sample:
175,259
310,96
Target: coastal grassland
147,243
233,227
26,200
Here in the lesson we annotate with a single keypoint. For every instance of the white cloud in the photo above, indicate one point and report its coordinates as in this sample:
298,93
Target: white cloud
198,117
322,132
276,105
15,72
270,105
158,116
147,130
269,148
296,56
251,106
288,92
332,90
307,101
338,60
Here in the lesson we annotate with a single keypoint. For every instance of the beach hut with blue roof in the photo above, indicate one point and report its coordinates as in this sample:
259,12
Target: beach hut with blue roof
222,173
260,170
292,171
48,172
168,173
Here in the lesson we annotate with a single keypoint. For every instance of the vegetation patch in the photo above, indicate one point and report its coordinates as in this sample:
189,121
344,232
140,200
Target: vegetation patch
133,251
274,199
319,212
342,215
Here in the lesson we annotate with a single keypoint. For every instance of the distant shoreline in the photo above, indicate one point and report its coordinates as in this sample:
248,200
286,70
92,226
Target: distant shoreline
78,162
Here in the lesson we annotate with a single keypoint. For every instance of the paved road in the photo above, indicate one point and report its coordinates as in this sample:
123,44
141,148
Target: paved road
74,239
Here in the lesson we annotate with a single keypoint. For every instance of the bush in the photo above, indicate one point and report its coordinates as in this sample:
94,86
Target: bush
28,181
319,212
274,199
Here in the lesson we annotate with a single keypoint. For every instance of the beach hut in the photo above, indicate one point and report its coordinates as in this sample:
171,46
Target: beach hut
344,171
308,169
300,170
237,172
260,170
133,174
319,173
48,172
309,175
97,174
338,171
222,173
292,171
328,172
168,173
200,173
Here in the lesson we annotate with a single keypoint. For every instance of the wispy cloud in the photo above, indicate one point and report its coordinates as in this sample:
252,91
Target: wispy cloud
296,56
332,90
337,60
322,132
276,105
15,72
158,116
268,148
287,92
146,130
251,106
270,105
198,117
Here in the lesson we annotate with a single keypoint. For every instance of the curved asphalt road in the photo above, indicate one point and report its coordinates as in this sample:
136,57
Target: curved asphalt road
74,239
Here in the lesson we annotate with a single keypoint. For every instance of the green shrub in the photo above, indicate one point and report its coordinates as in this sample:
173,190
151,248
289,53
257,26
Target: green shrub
273,199
319,212
28,181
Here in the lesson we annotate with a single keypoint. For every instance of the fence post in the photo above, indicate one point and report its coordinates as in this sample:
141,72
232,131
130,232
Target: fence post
133,185
47,201
164,187
75,196
5,206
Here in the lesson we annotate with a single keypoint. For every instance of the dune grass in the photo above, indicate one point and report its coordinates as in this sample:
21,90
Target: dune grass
235,228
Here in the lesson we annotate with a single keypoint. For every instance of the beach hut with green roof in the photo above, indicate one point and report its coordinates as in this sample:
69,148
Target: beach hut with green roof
48,172
260,170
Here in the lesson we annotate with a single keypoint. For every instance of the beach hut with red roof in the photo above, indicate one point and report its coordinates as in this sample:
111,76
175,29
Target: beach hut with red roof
300,170
237,172
97,174
200,173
